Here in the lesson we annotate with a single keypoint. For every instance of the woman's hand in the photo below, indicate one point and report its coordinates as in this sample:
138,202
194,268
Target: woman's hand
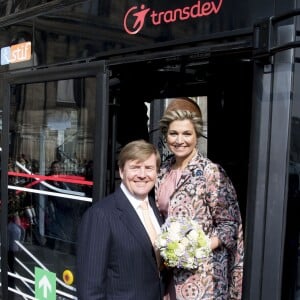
215,242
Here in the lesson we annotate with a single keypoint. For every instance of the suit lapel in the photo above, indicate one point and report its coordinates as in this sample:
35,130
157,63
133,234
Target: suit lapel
156,211
131,220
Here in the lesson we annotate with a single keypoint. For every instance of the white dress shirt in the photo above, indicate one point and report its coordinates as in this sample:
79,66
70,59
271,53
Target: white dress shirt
135,203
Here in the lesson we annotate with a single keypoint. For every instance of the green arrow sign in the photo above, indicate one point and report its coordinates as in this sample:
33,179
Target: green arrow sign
45,284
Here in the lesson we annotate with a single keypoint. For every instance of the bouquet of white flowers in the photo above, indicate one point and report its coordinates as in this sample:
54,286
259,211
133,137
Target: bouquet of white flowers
182,243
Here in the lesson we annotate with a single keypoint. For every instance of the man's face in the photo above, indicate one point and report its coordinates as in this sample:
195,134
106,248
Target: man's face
139,177
56,169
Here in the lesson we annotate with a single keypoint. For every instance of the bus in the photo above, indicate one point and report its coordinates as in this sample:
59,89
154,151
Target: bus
81,78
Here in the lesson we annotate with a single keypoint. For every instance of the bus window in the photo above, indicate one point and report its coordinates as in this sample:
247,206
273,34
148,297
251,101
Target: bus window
50,173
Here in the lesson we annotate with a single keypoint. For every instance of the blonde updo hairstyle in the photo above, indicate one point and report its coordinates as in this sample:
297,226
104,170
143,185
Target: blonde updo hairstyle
182,109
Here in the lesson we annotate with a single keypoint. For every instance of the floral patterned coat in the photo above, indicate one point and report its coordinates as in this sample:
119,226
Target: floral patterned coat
205,193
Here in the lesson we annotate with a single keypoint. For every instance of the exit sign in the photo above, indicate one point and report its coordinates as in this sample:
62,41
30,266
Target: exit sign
45,284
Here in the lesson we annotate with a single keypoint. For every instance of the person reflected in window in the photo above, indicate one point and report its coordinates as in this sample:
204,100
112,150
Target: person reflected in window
59,221
192,186
56,170
16,233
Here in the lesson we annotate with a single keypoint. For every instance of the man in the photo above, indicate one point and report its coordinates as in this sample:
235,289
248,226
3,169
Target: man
116,259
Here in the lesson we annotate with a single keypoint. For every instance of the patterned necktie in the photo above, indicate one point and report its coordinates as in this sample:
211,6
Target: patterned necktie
148,223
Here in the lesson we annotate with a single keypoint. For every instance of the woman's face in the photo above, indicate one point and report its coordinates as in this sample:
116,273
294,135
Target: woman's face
181,138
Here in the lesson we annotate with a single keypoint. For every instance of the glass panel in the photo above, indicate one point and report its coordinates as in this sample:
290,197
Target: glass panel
1,118
50,173
291,269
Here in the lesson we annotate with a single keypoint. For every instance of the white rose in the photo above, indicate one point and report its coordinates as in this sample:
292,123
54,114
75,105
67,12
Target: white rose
199,253
184,242
174,228
193,235
161,243
180,250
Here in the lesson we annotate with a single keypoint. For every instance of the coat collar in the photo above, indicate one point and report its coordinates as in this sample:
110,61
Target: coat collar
191,168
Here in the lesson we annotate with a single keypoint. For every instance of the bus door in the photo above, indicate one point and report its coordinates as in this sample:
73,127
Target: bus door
221,85
50,121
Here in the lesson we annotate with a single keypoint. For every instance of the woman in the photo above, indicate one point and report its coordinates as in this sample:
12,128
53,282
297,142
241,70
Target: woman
190,185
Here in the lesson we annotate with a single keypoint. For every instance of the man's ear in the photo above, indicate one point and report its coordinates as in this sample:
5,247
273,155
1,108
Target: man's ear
121,173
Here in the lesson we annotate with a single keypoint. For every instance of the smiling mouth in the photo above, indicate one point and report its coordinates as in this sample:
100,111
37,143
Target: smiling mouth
141,182
179,147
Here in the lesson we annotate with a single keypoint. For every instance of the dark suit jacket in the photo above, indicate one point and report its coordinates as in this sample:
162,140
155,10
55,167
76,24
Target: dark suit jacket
115,257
